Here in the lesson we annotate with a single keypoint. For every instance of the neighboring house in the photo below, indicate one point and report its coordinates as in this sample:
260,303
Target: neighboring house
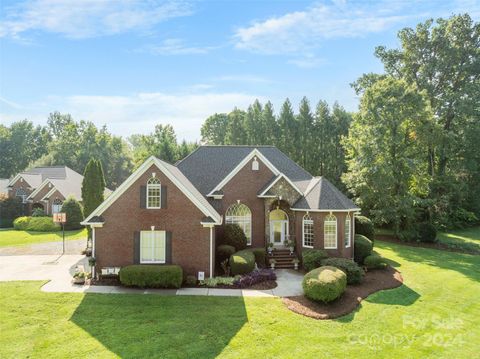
4,186
167,213
46,187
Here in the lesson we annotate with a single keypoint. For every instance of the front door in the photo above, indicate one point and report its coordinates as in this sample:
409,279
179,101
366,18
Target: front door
278,232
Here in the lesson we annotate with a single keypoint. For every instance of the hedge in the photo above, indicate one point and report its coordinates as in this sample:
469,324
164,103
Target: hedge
374,261
224,251
353,271
36,224
324,284
364,226
242,262
234,236
312,258
427,232
21,223
362,248
151,276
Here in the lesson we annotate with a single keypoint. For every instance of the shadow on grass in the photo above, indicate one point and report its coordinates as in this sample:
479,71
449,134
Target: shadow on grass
134,326
466,264
403,295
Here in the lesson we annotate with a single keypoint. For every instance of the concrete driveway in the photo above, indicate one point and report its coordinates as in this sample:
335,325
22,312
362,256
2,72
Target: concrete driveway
74,246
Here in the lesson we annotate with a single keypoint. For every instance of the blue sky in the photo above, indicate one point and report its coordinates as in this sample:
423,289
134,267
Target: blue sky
133,64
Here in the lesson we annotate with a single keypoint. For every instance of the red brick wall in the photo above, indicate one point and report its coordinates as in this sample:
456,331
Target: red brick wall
318,227
244,186
38,198
52,198
21,184
190,241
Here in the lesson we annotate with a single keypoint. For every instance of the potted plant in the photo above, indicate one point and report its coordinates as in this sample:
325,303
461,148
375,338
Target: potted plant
291,245
92,261
272,263
79,278
295,262
270,248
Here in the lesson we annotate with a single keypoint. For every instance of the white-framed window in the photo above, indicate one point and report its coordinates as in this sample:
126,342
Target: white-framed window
307,231
154,190
330,232
240,214
56,206
348,231
20,192
152,246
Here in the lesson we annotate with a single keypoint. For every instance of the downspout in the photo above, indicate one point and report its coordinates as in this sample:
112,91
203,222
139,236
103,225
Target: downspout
353,235
93,249
211,251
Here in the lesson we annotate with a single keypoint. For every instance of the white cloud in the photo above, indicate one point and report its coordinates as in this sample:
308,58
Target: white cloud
177,47
138,113
301,31
88,18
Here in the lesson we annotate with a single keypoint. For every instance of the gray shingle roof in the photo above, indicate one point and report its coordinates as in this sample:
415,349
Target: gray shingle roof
324,195
207,166
49,172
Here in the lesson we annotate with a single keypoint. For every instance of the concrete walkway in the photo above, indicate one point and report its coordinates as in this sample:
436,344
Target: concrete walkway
59,270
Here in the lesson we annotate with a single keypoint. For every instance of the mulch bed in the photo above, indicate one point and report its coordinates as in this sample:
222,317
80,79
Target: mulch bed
436,245
373,281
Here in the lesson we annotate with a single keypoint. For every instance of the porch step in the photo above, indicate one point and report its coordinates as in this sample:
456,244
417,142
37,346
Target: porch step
283,258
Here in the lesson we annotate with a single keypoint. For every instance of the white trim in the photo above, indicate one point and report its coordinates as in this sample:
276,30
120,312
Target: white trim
93,250
303,230
153,186
349,231
164,243
281,175
49,194
324,210
336,232
217,196
34,193
136,175
250,156
14,180
211,251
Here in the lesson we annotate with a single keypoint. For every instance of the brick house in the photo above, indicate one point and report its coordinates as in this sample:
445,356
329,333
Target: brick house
167,213
45,188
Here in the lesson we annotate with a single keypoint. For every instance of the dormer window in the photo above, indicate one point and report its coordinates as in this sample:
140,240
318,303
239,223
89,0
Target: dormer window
255,164
154,193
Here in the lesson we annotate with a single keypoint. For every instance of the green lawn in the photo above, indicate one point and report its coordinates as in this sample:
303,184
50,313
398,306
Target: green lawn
435,314
11,237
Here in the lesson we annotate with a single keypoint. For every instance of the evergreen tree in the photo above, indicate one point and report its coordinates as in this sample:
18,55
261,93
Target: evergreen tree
287,126
74,212
305,126
236,134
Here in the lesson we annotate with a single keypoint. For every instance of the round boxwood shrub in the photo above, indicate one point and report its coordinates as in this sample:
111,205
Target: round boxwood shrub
364,226
260,256
374,261
324,284
242,262
362,248
21,223
224,251
42,224
151,276
74,212
353,271
427,232
234,236
312,258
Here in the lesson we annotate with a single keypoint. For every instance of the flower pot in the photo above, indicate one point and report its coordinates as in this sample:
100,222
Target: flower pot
295,266
292,249
272,265
78,280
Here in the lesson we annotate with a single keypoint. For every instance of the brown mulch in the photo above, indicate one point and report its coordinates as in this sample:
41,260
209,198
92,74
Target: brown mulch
436,245
269,284
373,281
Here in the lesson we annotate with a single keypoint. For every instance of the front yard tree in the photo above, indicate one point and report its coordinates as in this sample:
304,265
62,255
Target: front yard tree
74,212
386,140
93,188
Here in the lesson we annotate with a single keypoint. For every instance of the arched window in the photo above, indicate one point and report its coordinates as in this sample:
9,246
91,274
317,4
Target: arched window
307,231
240,214
20,192
153,193
56,206
348,231
330,232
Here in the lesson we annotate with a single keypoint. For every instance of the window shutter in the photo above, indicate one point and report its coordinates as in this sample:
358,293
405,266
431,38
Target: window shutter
136,247
164,197
143,196
168,247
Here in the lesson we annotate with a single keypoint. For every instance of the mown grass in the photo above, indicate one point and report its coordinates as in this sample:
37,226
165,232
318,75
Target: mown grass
13,237
435,314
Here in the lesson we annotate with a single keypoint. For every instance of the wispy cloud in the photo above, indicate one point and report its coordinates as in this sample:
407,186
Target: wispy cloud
88,18
177,47
302,31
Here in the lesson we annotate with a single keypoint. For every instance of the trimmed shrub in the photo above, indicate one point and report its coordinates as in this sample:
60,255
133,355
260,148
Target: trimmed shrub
42,224
364,226
260,256
408,235
38,212
216,281
363,247
312,258
353,271
191,280
242,262
374,261
74,212
427,232
21,223
255,277
233,235
224,251
151,276
10,208
324,284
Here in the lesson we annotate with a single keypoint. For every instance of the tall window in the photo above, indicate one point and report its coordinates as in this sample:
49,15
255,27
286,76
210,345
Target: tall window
240,214
21,194
152,247
307,231
348,231
56,206
153,193
330,232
